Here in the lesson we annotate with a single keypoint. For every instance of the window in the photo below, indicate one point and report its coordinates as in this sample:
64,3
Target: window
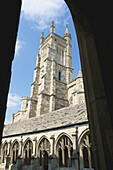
15,151
5,150
64,151
28,149
44,151
87,151
59,76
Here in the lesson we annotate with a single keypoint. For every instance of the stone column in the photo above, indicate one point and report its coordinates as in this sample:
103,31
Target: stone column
9,146
52,144
75,154
34,147
52,158
20,147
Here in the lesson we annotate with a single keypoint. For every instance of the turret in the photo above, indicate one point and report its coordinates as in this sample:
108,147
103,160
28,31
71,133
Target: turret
42,38
67,37
52,28
68,62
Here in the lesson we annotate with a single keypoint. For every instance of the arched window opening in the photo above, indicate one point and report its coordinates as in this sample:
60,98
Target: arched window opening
5,151
40,158
64,151
60,157
59,76
87,151
45,160
15,151
85,158
28,150
66,161
44,151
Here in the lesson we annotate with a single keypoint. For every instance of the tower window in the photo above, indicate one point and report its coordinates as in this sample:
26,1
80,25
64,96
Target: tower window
59,76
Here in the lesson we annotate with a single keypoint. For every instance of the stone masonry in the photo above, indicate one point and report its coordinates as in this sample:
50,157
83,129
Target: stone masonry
53,85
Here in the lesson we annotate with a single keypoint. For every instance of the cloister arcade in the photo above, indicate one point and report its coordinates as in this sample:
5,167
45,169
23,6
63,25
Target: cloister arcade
63,149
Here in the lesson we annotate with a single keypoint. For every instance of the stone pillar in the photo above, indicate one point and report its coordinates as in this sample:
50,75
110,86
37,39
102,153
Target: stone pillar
34,147
20,147
75,154
9,146
52,144
52,158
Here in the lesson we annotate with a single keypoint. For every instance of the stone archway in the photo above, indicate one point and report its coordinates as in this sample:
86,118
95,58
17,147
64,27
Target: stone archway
28,150
64,147
15,151
4,151
96,42
85,150
43,152
94,39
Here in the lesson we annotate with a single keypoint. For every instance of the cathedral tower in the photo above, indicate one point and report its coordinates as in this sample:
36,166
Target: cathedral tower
52,74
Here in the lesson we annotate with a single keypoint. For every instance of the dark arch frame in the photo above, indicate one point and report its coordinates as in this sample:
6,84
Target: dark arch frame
94,31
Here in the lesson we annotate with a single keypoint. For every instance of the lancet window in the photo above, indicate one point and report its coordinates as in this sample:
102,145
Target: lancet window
64,151
87,152
15,150
5,151
28,150
59,76
44,151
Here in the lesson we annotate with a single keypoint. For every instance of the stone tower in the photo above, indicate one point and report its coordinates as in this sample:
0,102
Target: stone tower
52,74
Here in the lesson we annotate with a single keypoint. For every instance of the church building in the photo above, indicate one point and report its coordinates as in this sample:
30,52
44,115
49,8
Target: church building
51,131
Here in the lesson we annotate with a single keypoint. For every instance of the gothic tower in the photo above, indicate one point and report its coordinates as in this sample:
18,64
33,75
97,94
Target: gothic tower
52,74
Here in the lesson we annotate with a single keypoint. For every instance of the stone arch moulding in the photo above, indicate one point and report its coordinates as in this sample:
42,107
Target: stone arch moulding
41,138
82,134
3,144
16,140
26,140
59,136
38,143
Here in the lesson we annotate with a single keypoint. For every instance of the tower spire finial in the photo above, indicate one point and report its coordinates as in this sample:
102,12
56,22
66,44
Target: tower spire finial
67,30
42,37
52,28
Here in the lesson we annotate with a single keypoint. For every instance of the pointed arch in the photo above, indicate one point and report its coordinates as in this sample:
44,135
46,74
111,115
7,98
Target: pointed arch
82,134
4,150
28,150
59,136
63,148
43,151
15,150
41,140
85,148
28,139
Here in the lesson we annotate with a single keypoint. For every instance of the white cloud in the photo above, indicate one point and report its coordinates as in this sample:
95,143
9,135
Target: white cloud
43,11
18,46
13,100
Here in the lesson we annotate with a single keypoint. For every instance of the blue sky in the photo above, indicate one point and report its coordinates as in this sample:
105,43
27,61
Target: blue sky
36,17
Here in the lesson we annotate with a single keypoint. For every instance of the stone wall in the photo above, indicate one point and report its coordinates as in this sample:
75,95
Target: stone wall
45,103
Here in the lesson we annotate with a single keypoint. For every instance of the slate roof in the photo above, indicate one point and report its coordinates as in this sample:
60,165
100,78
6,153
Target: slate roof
58,118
